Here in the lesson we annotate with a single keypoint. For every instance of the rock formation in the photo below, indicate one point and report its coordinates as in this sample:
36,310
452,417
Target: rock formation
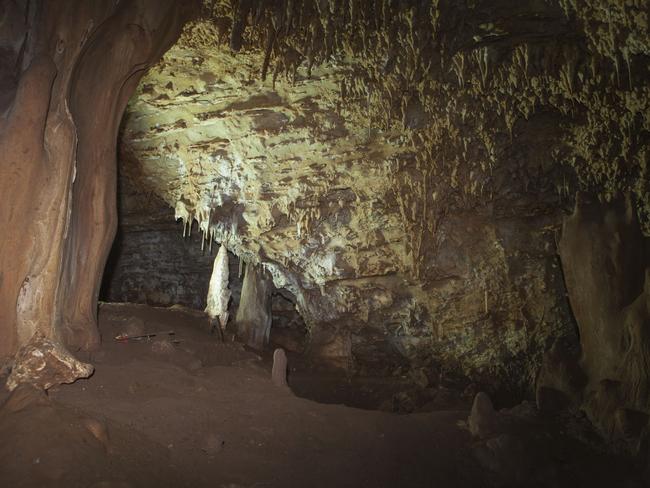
150,263
68,70
44,364
254,311
218,291
606,262
279,371
483,420
402,168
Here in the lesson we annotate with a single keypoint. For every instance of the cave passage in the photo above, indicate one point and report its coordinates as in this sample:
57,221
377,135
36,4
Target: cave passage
335,243
152,263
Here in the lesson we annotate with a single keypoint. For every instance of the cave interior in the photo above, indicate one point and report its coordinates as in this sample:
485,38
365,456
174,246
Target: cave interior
364,243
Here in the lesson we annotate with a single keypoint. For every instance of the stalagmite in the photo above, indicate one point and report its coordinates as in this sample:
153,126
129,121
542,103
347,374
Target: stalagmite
218,291
482,420
279,371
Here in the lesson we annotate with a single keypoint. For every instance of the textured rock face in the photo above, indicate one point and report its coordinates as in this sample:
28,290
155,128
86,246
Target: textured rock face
290,178
44,363
404,170
404,166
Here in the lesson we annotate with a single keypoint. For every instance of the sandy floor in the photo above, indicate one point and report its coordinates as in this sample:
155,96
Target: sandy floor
198,413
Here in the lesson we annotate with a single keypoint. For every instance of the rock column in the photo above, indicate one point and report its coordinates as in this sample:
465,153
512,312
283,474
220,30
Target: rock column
254,313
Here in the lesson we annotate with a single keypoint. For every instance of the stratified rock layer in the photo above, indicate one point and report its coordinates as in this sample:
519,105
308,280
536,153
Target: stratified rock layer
150,264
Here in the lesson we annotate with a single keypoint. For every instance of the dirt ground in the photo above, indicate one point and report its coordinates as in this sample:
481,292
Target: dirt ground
185,410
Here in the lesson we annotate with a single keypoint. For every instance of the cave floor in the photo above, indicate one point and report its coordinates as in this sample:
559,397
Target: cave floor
200,413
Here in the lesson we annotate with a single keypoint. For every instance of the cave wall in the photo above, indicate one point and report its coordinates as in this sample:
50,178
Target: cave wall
422,233
403,168
157,261
400,167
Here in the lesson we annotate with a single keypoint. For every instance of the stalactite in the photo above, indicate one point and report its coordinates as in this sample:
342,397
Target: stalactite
254,312
218,291
242,9
267,51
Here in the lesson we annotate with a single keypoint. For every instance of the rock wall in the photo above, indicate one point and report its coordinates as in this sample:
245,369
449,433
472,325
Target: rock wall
402,168
152,262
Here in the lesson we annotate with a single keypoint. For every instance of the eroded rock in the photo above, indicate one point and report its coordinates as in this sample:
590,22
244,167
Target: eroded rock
45,363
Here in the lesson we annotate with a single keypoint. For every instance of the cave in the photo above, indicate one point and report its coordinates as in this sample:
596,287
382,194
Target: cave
364,243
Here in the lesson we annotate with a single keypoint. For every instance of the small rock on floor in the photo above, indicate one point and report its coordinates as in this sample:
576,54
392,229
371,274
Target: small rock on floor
279,372
482,419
